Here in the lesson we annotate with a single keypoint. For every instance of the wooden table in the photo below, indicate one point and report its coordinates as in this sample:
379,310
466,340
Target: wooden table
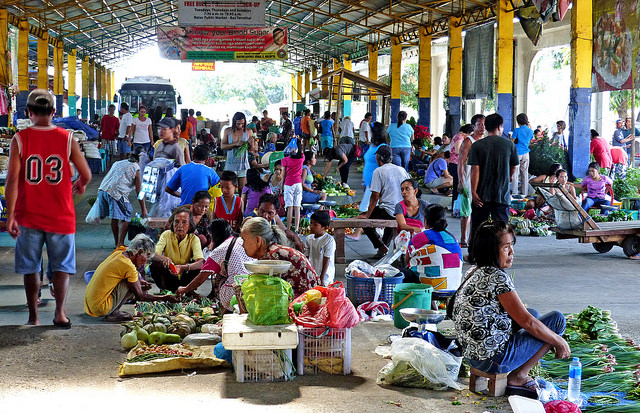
340,225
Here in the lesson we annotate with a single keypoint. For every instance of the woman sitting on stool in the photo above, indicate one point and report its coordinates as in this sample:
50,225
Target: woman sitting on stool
498,334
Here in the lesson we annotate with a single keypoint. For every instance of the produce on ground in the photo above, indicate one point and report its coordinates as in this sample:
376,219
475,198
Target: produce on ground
538,227
347,211
609,362
332,188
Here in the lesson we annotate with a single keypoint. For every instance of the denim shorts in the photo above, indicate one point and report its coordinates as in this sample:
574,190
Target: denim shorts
521,346
113,208
123,146
61,251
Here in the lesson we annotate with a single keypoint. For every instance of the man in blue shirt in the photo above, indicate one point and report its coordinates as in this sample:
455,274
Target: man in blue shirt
297,129
626,131
619,138
522,136
193,177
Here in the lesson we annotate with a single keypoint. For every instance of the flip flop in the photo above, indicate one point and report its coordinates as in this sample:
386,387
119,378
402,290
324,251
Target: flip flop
464,245
527,390
60,324
635,257
123,316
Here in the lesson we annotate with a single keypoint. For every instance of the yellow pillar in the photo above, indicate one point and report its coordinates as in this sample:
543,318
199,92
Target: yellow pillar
424,79
395,77
23,67
4,35
92,92
346,97
71,86
113,84
98,77
314,75
307,82
43,61
299,95
505,63
580,93
455,75
336,81
58,80
373,75
294,94
85,87
325,83
107,76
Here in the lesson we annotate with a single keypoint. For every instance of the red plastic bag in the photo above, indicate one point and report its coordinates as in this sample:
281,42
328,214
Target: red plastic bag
337,311
561,406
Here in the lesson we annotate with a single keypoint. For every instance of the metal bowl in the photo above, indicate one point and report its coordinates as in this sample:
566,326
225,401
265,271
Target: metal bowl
421,316
267,266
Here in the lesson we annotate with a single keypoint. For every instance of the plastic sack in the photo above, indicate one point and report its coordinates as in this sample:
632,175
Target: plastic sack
267,299
93,217
292,148
417,363
465,204
358,268
456,207
334,311
561,406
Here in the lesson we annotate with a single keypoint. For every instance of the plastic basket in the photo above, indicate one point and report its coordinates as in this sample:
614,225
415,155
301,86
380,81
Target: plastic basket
95,165
327,350
362,290
263,365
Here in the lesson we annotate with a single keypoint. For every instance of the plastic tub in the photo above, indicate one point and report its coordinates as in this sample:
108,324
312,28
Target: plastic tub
421,298
521,404
87,276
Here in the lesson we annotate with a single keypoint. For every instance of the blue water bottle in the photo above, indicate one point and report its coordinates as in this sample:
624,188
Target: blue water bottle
575,379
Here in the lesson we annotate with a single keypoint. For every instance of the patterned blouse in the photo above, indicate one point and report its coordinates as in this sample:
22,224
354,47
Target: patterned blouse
483,326
301,274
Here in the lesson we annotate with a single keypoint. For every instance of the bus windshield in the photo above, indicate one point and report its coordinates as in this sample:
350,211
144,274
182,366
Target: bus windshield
150,96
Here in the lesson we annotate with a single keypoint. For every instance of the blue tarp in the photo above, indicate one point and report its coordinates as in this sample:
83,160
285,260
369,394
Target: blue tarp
72,122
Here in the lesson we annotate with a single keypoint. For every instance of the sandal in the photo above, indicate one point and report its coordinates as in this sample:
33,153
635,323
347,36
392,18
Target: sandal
61,324
464,245
528,390
635,257
118,317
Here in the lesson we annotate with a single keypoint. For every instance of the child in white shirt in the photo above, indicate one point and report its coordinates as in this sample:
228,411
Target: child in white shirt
321,247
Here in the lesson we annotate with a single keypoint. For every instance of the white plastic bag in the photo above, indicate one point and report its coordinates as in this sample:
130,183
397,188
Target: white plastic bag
417,363
93,217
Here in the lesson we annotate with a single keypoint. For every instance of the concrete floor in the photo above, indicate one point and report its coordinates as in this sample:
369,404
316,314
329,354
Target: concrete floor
549,274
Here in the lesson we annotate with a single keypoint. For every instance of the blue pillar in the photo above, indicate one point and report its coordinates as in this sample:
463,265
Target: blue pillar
21,103
346,108
72,105
453,116
395,108
92,110
58,106
424,112
505,109
374,110
580,130
85,107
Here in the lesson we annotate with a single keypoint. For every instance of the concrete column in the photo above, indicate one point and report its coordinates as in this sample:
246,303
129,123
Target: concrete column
346,97
293,88
92,91
43,61
505,63
99,92
108,94
113,84
314,75
580,94
71,87
58,80
373,75
307,82
4,42
85,87
23,67
336,82
455,75
424,81
395,78
299,91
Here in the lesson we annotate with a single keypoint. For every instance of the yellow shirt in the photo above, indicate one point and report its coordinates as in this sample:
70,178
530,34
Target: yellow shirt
188,250
97,296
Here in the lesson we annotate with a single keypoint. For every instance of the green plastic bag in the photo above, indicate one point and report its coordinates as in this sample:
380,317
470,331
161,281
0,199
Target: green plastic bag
267,299
465,202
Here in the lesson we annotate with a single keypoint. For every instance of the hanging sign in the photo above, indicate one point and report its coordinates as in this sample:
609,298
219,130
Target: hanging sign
203,66
222,43
221,13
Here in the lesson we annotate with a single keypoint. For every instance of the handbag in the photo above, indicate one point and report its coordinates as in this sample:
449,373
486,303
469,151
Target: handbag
358,151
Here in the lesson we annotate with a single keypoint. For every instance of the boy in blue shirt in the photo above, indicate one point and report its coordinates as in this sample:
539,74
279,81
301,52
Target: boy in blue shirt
522,136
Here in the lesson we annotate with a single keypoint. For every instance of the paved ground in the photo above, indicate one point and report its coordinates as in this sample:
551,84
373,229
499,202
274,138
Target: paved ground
62,369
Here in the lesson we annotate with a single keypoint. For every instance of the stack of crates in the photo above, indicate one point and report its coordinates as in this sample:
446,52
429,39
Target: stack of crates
324,349
260,353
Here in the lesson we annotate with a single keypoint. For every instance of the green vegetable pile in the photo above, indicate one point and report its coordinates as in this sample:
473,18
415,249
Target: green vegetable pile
609,362
613,216
536,228
346,211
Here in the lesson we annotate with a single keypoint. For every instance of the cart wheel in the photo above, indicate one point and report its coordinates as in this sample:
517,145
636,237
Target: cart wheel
603,247
631,245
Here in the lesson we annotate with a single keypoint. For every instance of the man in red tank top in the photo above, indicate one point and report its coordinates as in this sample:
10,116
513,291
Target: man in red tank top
39,196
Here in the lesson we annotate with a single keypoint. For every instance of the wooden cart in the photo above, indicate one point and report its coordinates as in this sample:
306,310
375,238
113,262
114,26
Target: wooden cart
602,235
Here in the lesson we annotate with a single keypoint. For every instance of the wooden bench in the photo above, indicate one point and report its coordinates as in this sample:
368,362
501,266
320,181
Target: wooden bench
496,386
340,225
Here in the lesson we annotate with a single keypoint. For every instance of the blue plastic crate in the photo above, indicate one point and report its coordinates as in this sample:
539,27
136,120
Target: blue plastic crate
361,290
95,165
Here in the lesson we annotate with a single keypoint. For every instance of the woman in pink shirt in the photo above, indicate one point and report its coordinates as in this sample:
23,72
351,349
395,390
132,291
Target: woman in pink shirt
293,186
601,150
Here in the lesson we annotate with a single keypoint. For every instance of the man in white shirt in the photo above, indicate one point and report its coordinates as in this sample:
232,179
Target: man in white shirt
364,134
347,131
124,134
385,193
141,130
